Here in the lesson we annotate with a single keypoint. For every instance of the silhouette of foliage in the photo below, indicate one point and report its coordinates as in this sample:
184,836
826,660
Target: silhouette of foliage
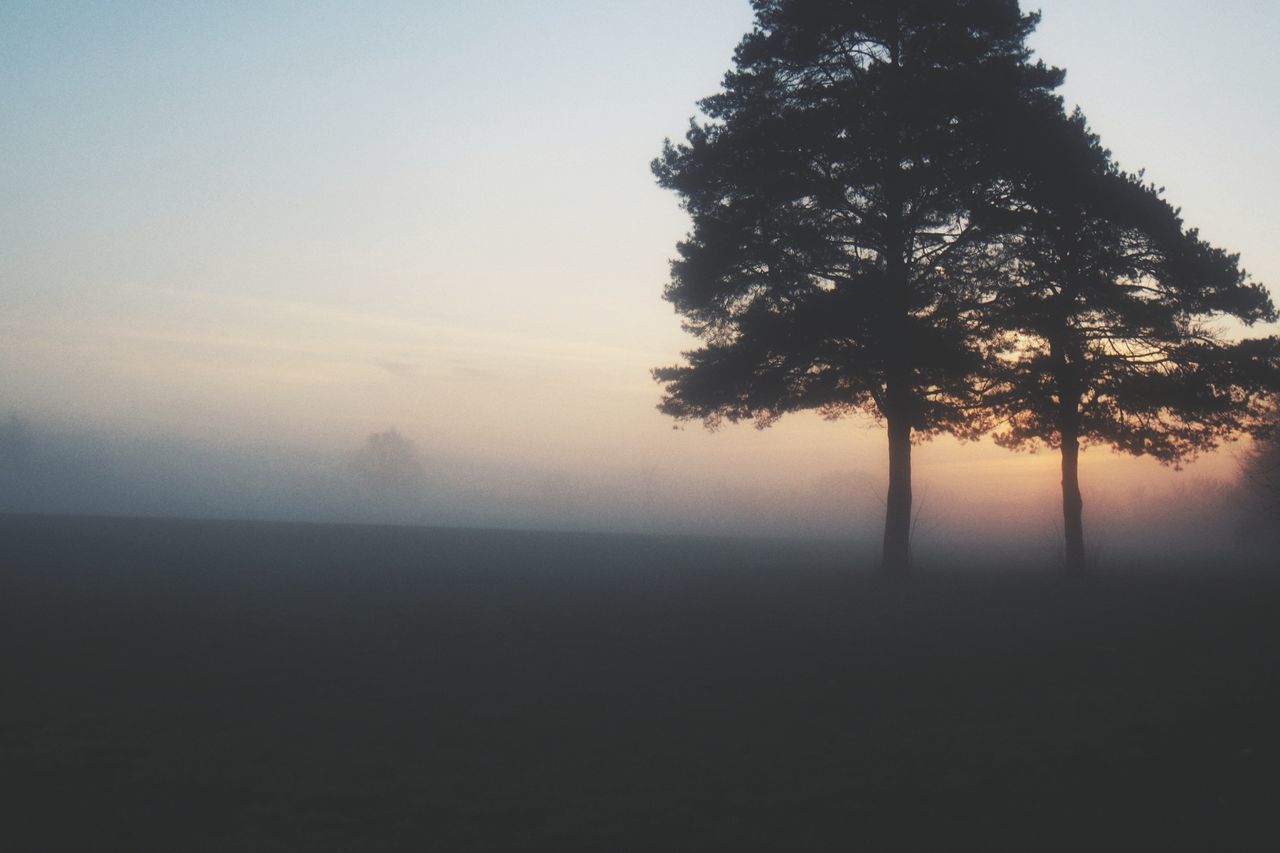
831,194
1261,468
1100,323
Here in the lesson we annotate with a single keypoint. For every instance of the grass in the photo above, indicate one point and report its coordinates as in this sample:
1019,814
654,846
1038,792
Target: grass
231,686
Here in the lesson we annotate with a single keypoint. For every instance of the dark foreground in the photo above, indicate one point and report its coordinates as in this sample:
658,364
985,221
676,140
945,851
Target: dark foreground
211,686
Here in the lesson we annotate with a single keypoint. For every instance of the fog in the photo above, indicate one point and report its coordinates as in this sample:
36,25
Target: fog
1135,513
240,241
384,477
337,511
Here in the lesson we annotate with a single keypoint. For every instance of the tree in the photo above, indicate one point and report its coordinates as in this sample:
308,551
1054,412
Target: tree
830,195
17,449
15,445
388,465
1261,469
1100,324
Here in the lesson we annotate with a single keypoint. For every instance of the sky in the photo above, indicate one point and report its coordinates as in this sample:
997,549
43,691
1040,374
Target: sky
261,231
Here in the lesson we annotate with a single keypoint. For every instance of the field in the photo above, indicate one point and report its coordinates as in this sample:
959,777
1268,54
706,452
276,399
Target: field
230,686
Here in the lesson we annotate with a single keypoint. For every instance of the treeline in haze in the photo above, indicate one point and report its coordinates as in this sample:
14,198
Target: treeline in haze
894,213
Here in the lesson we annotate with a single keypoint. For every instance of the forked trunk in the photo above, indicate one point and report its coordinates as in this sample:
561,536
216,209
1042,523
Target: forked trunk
897,517
1072,504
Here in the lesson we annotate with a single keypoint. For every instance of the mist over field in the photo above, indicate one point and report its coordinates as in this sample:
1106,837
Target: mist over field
235,244
1009,518
499,425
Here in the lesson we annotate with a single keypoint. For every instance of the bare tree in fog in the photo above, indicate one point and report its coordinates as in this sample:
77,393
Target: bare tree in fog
1100,319
388,464
831,195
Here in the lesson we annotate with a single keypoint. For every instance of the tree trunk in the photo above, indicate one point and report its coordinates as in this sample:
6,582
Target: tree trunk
1072,504
897,517
1067,353
899,399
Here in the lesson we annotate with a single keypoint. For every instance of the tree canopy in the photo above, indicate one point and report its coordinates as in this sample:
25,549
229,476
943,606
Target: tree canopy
892,214
1101,322
831,193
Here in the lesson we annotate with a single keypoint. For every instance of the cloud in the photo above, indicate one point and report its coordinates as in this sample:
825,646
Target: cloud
401,369
434,335
473,372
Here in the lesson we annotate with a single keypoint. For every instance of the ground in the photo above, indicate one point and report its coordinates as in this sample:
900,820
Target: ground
229,686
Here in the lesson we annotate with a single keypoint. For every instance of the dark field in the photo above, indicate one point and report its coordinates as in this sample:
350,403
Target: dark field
217,686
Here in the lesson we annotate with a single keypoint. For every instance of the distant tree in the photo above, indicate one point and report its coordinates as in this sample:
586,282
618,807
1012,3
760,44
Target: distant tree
16,445
1261,469
830,197
17,448
388,463
1101,320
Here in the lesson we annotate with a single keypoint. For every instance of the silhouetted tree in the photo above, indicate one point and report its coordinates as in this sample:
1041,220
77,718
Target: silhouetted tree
830,198
15,444
1101,319
1261,468
17,448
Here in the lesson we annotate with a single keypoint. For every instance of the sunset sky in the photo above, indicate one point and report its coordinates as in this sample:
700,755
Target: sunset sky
286,225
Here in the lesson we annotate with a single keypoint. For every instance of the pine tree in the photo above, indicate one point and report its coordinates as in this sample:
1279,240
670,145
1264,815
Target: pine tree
1102,322
830,194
